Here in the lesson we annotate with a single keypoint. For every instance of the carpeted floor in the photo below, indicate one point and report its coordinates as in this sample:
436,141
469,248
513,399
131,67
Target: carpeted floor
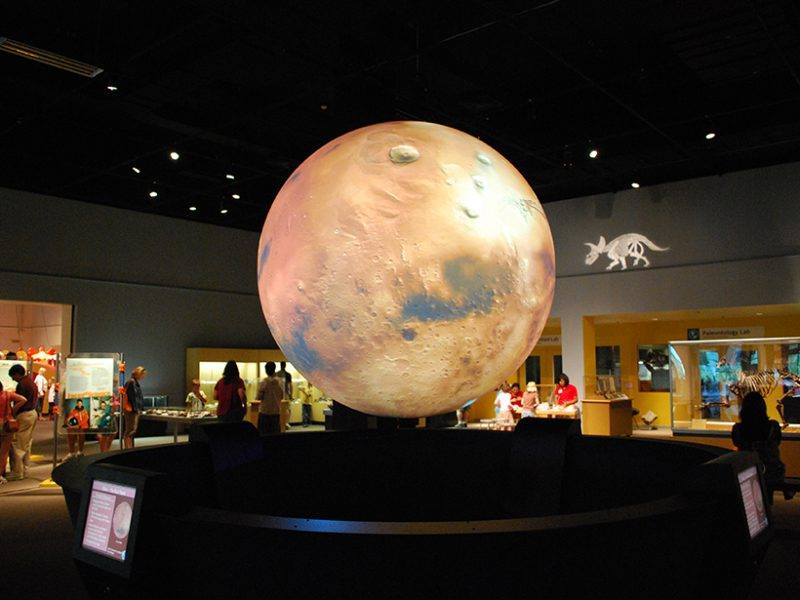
36,542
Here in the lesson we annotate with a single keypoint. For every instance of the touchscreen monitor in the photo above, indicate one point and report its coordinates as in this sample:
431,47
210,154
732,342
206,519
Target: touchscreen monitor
108,519
753,499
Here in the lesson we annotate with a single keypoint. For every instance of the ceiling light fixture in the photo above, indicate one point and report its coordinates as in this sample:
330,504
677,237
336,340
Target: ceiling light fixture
229,176
635,185
174,155
759,314
192,208
112,88
49,58
136,170
235,196
153,194
711,135
593,153
223,211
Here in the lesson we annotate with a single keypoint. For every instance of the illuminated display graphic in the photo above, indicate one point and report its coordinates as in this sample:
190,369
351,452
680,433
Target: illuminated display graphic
753,501
108,522
405,268
620,249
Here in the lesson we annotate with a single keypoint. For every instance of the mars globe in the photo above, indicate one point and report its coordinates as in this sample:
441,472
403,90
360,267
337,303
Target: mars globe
405,268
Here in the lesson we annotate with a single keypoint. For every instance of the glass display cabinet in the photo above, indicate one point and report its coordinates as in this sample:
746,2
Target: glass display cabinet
207,364
709,378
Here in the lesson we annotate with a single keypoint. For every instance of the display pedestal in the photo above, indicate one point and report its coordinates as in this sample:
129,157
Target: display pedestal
607,417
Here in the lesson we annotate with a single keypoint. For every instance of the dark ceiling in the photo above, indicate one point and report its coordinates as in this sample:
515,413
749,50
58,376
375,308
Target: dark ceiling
251,89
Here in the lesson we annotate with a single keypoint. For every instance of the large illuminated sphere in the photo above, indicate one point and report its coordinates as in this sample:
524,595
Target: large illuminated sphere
405,268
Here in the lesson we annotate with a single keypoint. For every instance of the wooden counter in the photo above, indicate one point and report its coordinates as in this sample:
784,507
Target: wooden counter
607,417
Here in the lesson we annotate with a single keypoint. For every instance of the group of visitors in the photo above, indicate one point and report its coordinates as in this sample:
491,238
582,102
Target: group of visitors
511,403
18,416
231,396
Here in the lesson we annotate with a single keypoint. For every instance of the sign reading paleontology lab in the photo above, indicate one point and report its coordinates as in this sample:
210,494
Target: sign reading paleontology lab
724,333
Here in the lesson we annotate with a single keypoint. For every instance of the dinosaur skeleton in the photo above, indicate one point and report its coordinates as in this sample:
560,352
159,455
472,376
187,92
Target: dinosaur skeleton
763,382
627,245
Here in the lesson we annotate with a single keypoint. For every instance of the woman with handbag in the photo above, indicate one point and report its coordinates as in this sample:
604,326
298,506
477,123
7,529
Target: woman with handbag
8,427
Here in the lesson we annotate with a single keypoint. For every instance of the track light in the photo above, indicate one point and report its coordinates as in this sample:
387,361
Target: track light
50,58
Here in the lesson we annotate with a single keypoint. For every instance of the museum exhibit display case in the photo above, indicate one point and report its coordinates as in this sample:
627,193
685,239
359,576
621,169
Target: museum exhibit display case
605,410
206,364
709,378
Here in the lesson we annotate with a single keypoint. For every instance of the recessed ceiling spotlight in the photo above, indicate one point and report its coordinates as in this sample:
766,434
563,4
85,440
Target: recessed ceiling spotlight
759,314
635,185
174,155
192,208
136,170
153,194
112,88
235,196
593,153
229,176
223,211
655,318
711,135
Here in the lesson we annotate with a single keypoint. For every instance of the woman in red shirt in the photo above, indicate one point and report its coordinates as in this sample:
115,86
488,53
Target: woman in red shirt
565,393
6,398
77,420
229,394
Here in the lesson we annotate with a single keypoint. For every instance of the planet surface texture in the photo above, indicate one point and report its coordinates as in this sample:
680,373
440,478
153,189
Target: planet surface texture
405,268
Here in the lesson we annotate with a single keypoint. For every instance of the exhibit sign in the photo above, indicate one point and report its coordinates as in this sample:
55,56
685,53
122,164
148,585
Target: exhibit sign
8,383
726,333
549,340
108,522
88,384
753,500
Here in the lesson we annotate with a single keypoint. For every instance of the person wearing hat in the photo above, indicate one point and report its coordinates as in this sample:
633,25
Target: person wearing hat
530,399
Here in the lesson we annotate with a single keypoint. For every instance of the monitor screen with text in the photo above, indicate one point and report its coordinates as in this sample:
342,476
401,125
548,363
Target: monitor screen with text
753,501
108,521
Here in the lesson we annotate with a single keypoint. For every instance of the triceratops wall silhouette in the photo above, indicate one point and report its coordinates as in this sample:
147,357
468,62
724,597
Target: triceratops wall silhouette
628,245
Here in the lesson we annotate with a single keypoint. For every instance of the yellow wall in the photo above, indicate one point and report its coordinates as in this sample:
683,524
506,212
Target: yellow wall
629,335
194,356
